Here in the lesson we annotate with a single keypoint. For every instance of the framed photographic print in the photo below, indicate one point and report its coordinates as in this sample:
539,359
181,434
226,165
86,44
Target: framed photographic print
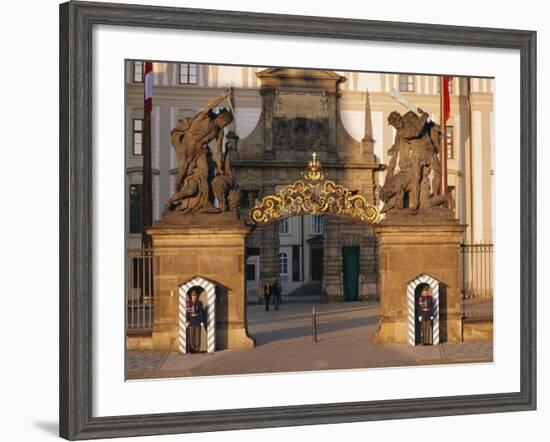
254,206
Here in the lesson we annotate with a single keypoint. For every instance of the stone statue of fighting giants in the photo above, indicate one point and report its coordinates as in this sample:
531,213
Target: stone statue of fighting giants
416,186
200,177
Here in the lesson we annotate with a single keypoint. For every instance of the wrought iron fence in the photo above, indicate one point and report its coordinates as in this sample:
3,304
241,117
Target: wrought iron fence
477,280
139,290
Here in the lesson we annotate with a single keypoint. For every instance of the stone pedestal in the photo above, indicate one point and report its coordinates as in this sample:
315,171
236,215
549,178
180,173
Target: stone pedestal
409,247
211,246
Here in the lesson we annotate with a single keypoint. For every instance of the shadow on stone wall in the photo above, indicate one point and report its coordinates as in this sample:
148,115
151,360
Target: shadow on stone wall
222,310
442,312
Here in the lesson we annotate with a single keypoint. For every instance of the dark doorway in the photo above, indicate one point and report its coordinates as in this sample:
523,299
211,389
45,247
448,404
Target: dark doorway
351,273
317,264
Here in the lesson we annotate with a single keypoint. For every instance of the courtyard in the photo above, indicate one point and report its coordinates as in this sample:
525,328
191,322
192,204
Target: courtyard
284,343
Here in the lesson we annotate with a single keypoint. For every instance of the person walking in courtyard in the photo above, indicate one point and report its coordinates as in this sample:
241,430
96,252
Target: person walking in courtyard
196,318
267,295
426,315
276,292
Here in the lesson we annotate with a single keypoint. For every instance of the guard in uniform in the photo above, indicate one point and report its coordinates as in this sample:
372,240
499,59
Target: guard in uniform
196,318
426,315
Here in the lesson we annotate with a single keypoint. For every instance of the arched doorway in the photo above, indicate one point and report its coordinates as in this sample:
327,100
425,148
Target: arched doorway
348,251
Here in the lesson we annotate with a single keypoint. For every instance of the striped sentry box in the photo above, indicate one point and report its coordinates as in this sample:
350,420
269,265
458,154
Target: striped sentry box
434,284
210,292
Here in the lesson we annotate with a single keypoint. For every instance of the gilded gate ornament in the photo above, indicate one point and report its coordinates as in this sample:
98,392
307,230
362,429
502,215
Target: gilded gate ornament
314,195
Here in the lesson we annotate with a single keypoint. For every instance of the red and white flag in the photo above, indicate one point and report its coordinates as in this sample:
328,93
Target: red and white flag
148,83
446,97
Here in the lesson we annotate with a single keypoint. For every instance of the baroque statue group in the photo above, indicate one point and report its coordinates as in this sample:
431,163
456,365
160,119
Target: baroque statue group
413,177
203,175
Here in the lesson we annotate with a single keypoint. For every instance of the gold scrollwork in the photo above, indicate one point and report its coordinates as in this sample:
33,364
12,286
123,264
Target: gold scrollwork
313,196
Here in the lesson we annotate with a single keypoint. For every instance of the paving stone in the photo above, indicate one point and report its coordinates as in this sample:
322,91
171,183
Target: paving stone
284,344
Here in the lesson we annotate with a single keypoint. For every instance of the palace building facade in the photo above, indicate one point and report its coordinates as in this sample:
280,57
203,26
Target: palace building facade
281,117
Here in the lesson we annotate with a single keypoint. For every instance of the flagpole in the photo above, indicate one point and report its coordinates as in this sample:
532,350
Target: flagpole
443,124
147,185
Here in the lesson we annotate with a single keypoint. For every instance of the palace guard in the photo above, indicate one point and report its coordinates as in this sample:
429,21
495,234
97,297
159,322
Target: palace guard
426,315
196,318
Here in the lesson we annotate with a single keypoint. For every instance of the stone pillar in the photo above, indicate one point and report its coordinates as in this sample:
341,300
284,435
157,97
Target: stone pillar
332,260
211,246
408,248
367,143
268,97
269,250
333,115
369,283
269,254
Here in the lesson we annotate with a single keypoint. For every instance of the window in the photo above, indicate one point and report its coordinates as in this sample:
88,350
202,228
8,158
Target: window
451,191
317,224
135,208
406,83
137,129
450,143
284,227
245,200
252,251
283,263
248,198
188,73
138,71
253,197
251,272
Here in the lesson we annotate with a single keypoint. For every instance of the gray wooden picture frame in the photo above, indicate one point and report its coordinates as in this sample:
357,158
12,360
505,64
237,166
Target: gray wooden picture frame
76,243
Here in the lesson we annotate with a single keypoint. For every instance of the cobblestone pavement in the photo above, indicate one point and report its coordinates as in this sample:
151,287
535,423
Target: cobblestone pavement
284,344
449,352
144,361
